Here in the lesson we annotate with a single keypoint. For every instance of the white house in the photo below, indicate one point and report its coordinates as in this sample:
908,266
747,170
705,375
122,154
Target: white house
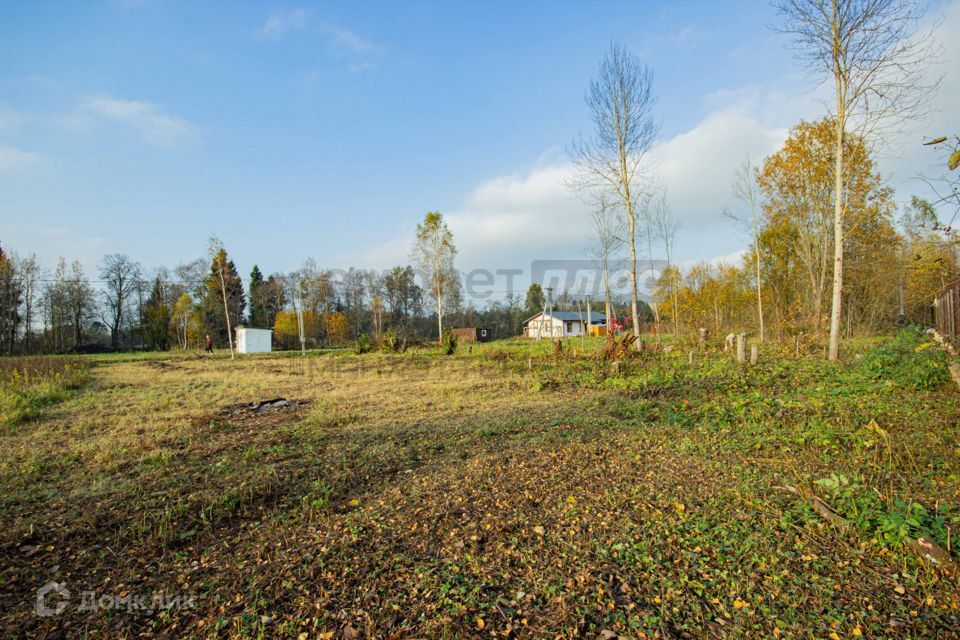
561,324
250,340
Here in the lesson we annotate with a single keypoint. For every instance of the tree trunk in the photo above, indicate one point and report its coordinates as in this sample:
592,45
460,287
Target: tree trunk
117,323
635,316
838,197
606,291
226,310
756,249
654,306
439,319
676,309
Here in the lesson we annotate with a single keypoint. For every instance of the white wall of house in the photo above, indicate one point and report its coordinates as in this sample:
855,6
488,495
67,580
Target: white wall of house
555,328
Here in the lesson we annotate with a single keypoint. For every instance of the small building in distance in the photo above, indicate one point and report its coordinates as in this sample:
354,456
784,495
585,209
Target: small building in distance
250,340
563,324
473,334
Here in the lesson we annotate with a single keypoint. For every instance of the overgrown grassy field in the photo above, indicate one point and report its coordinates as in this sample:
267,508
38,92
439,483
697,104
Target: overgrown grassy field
499,492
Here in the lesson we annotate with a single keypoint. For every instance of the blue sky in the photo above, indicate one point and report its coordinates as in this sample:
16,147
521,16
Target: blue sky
295,130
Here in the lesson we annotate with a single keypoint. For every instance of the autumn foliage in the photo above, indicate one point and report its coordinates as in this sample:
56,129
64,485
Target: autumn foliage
796,185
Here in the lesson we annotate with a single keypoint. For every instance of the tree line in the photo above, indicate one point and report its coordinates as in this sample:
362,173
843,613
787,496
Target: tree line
895,261
127,306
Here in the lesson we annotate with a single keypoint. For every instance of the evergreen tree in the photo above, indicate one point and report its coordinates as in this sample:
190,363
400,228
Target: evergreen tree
274,299
258,302
213,316
535,300
156,319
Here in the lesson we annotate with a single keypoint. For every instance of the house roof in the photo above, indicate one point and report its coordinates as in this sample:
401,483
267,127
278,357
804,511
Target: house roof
596,317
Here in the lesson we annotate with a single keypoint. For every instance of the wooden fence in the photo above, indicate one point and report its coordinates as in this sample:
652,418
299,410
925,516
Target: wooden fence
946,312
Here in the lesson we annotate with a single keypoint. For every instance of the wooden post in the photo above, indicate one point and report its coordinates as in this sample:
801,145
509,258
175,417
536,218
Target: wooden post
955,372
691,358
754,354
796,344
701,338
741,347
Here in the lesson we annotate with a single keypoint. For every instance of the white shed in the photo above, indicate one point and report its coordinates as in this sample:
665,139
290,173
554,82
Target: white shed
250,340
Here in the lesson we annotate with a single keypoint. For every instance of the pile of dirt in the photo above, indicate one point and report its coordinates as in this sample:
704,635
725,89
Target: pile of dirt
274,405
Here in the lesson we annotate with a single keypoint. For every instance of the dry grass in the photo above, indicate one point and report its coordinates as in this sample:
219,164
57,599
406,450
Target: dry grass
419,495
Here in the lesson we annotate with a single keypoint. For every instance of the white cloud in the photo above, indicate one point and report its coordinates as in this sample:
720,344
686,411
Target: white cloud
282,22
360,67
697,165
342,42
345,40
10,120
150,121
511,220
514,219
12,159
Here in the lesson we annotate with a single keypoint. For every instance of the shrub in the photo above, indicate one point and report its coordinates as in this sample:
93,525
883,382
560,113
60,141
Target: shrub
363,344
29,384
910,359
448,343
389,342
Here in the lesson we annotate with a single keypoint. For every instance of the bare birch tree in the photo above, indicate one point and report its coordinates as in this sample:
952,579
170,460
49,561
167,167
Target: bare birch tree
666,226
875,58
652,202
29,269
609,233
621,101
744,189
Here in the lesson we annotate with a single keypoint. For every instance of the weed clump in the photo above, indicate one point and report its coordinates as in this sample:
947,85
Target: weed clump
363,344
910,359
28,385
448,343
891,522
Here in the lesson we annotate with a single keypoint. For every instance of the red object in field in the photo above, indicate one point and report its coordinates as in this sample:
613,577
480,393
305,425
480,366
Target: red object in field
615,325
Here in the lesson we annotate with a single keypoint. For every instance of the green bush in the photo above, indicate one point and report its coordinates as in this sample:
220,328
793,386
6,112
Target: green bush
363,344
448,343
911,359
